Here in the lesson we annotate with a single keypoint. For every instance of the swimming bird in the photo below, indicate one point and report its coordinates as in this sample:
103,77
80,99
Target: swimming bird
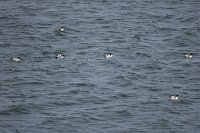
62,29
60,56
188,55
108,55
16,59
173,97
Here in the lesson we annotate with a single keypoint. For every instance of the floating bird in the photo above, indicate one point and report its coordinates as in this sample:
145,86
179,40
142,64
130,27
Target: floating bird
108,55
62,29
16,59
173,97
60,56
188,55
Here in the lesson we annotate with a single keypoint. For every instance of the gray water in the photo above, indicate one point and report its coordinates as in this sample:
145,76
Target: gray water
87,93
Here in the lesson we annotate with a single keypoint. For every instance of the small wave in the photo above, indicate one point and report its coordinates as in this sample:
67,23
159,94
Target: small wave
81,84
15,109
143,55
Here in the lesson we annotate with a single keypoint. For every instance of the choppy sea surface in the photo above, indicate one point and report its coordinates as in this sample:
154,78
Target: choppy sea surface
87,93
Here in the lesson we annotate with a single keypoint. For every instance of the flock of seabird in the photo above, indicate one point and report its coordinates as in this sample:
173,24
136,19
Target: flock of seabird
108,56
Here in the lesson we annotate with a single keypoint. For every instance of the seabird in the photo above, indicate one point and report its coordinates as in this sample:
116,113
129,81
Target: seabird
108,55
60,56
16,59
62,29
188,55
173,97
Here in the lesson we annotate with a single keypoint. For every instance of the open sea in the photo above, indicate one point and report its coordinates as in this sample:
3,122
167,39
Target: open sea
86,92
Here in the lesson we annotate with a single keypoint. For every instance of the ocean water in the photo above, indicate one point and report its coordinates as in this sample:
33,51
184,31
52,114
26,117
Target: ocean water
87,93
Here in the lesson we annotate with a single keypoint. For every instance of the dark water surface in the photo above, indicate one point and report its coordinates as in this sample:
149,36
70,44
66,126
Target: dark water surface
86,93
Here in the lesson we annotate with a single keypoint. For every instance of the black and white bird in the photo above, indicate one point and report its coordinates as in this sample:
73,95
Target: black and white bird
61,56
175,97
16,59
62,29
188,55
108,55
